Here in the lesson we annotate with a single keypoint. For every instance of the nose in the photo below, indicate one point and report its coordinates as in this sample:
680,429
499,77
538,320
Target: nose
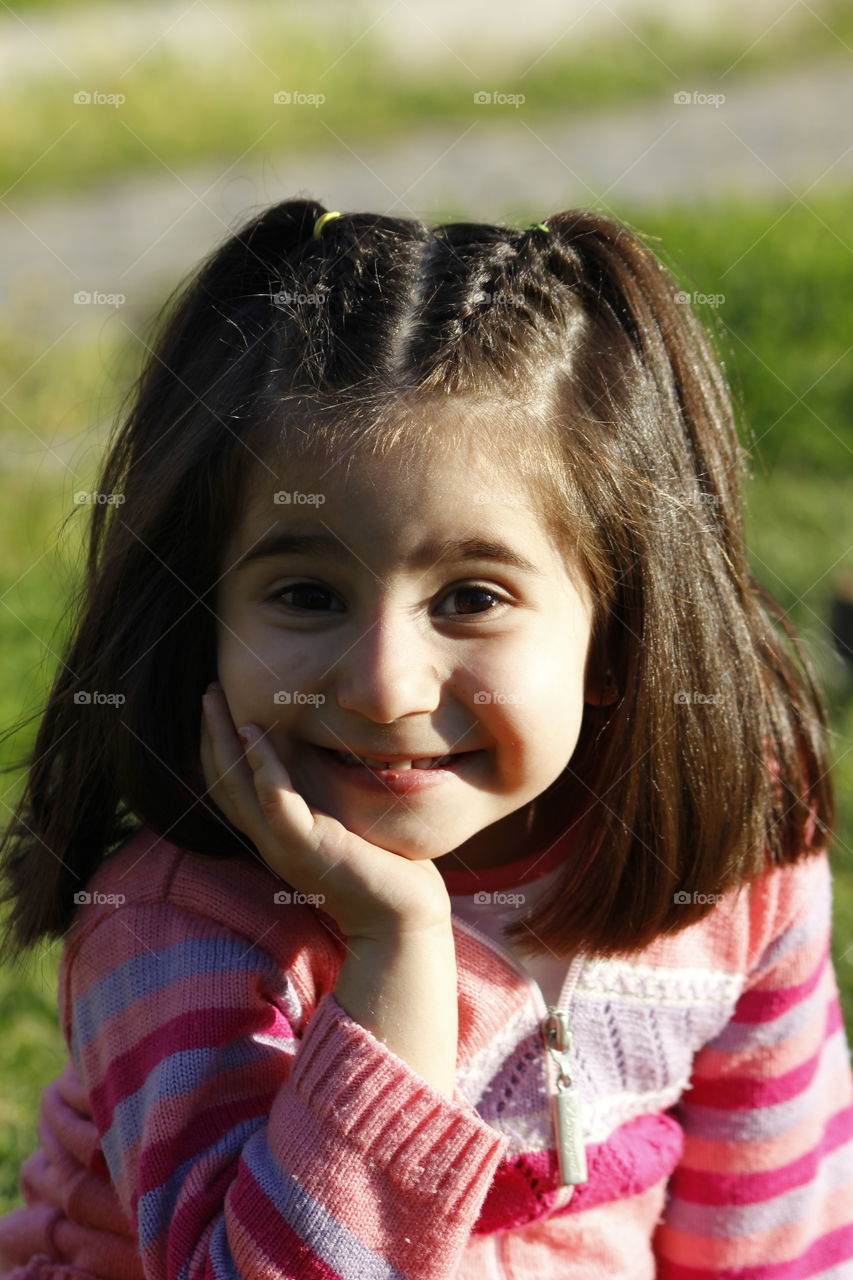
388,672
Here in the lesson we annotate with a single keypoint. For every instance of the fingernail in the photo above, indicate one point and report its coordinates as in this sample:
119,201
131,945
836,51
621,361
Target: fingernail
246,736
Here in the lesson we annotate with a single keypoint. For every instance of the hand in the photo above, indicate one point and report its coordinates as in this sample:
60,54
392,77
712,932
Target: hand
369,891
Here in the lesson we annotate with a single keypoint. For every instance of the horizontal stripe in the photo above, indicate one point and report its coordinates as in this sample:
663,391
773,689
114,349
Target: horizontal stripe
828,1212
308,1220
728,1221
815,919
180,1075
739,1037
157,1207
731,1092
835,1247
744,1188
710,1155
150,972
206,1033
822,1012
225,1267
762,1005
772,1121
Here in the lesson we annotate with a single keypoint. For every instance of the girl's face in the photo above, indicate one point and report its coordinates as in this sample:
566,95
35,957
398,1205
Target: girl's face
407,612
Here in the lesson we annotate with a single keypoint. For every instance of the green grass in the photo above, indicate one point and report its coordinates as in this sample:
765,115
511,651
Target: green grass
31,1054
783,271
785,321
48,143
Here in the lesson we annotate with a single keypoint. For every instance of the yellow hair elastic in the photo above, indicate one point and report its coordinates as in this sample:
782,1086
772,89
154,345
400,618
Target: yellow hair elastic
321,222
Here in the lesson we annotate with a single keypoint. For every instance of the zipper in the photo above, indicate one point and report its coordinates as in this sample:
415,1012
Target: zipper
565,1102
556,1038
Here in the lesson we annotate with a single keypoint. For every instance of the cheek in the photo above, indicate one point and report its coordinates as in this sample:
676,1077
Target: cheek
543,669
270,677
535,706
253,651
533,732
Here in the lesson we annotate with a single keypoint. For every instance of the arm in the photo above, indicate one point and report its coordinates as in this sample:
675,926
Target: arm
402,988
243,1140
765,1184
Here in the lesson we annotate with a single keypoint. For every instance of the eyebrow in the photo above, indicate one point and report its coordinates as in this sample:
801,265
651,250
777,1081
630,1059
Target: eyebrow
278,543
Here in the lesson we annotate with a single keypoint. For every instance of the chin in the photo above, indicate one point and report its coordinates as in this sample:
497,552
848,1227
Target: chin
414,853
407,848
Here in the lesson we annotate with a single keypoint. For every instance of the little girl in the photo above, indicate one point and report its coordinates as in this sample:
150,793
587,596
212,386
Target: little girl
432,812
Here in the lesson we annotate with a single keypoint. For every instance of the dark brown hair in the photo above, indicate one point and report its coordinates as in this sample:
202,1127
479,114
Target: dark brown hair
608,400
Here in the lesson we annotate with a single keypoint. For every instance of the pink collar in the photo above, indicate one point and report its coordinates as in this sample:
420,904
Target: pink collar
522,871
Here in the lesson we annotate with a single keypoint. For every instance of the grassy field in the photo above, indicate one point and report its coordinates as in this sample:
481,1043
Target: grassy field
783,327
50,142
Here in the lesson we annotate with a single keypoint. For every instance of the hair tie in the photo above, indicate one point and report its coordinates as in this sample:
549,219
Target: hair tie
537,226
321,222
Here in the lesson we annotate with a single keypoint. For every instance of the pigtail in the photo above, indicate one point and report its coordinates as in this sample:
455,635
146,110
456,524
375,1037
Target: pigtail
90,781
713,762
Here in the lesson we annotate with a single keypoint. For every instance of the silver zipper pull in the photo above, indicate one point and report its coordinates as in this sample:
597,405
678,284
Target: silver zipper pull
565,1103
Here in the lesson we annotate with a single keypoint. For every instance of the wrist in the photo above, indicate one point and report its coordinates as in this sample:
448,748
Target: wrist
400,931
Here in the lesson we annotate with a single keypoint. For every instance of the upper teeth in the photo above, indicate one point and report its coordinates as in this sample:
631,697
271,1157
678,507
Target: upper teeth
425,762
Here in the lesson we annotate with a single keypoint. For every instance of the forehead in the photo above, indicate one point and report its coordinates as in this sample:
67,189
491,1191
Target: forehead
396,497
446,458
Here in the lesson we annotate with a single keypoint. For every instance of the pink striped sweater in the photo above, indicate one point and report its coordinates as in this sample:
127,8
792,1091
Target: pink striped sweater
221,1115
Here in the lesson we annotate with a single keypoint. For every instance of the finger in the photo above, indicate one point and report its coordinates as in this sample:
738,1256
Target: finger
281,805
272,812
205,754
226,772
213,790
208,765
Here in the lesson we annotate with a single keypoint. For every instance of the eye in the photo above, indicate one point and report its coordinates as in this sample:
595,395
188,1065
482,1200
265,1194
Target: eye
313,596
477,593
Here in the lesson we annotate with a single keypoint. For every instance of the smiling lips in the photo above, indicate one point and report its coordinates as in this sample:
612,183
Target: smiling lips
398,763
396,773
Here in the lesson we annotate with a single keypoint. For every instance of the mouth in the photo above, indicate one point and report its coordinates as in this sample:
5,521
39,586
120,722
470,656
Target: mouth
400,773
398,763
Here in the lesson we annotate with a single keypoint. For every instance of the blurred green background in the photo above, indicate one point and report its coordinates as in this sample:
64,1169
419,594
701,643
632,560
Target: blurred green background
783,267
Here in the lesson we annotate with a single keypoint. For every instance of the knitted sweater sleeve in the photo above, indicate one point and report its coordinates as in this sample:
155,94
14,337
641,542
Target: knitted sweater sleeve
764,1188
243,1141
